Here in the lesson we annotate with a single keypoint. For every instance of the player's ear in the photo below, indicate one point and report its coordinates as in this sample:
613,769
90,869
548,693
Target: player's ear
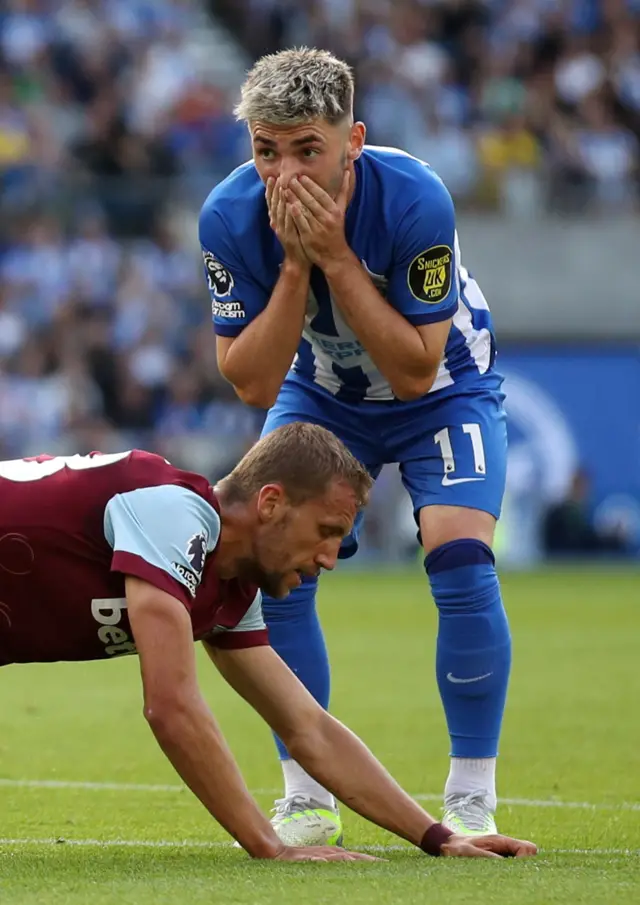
271,498
356,140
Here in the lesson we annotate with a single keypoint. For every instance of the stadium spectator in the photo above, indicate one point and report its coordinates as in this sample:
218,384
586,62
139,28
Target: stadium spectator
510,156
568,530
451,77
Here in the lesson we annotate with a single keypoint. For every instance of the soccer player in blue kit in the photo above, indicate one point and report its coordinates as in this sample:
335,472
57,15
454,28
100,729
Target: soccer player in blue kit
339,298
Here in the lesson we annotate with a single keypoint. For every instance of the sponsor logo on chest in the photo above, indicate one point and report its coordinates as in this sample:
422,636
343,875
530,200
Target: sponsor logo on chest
108,612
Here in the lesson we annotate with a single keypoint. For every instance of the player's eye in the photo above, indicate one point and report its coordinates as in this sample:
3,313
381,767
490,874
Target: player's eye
267,153
310,152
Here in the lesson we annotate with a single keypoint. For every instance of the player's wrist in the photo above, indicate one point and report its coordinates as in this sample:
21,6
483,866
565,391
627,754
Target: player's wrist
434,838
267,848
337,264
295,267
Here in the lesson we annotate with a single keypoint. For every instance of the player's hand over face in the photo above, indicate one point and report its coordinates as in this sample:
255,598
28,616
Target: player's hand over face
487,847
321,853
281,222
319,219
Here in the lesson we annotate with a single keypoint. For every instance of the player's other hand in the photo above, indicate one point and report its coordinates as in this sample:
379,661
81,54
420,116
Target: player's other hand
319,219
321,853
281,222
486,847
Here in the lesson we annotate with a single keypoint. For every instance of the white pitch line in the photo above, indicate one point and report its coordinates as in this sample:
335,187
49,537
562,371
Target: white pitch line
124,843
549,803
632,852
88,786
196,844
419,796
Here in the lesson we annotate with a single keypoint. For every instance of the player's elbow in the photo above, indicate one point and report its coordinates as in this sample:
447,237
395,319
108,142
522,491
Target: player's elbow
308,750
260,396
257,394
410,389
307,742
160,715
416,379
166,714
257,391
408,394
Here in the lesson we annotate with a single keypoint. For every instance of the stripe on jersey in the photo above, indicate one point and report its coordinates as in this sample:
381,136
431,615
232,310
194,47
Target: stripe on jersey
305,361
470,346
474,322
354,385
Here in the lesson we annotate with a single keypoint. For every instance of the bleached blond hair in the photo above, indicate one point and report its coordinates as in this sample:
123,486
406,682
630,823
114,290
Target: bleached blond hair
296,86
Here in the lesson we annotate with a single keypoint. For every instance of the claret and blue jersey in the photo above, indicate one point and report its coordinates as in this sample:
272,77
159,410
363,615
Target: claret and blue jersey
401,225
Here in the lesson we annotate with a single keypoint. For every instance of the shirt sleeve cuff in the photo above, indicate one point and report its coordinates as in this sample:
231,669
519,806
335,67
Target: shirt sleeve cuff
239,640
433,317
132,564
228,329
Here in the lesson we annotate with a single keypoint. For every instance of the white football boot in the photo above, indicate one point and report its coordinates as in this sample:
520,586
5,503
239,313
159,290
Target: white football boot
470,815
300,820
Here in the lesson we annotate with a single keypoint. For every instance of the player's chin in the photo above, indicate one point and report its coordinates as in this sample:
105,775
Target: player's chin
292,581
278,585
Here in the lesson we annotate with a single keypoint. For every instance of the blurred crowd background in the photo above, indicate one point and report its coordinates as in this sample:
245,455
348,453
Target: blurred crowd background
116,121
516,102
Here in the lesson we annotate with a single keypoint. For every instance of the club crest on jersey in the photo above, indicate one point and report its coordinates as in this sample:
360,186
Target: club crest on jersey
196,552
218,277
429,274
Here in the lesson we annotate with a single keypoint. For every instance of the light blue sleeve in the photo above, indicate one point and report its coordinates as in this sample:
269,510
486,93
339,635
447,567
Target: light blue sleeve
169,527
253,619
251,631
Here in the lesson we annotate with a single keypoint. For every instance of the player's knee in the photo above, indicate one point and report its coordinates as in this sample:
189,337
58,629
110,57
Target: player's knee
442,524
462,575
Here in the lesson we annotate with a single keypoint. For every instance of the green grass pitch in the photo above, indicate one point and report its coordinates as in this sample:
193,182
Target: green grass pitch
77,762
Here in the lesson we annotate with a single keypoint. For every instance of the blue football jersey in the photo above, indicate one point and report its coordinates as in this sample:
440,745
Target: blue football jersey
401,225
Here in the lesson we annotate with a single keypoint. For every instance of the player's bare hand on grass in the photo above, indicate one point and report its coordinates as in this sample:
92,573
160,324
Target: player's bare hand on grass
487,847
321,853
319,219
282,223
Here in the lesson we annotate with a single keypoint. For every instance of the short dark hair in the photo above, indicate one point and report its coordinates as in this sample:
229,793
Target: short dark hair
304,459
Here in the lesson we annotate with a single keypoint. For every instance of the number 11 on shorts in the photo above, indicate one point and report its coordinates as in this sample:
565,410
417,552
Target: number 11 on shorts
443,439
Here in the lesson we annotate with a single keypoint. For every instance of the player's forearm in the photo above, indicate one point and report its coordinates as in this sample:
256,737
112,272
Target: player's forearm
258,360
190,738
344,765
394,345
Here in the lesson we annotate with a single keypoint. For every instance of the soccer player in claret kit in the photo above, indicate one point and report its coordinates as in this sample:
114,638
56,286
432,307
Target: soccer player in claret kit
340,298
103,556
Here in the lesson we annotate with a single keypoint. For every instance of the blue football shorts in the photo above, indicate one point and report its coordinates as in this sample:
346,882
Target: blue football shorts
451,446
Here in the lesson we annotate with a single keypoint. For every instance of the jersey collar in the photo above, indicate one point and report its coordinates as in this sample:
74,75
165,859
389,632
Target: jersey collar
354,204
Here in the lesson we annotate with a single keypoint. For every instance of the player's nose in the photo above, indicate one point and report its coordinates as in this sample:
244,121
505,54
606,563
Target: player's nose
327,556
288,169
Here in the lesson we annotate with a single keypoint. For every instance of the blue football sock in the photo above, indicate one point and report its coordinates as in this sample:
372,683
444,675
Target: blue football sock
295,634
473,655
